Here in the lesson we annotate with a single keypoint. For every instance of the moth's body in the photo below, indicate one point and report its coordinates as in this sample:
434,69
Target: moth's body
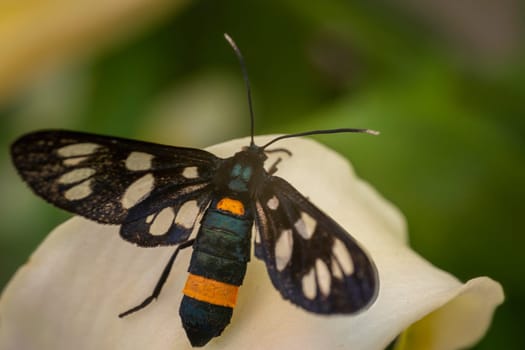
221,251
218,264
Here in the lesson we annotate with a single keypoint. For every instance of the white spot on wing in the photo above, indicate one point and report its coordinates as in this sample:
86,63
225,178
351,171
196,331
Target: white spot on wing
80,191
74,161
76,175
138,161
305,225
343,256
163,222
336,270
77,149
187,214
191,172
283,249
149,219
137,191
308,284
273,203
323,277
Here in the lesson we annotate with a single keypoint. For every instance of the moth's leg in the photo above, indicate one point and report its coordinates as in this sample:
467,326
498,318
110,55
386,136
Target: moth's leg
273,167
162,280
275,150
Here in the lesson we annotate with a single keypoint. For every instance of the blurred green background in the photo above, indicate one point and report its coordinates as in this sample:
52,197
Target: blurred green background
444,82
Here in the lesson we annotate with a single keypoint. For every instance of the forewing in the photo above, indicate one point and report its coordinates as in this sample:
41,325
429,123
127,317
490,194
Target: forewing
311,260
114,180
167,216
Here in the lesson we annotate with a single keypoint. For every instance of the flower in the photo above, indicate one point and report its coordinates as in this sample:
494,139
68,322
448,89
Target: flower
70,292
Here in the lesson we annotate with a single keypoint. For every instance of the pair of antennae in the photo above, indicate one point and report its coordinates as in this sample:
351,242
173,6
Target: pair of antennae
252,121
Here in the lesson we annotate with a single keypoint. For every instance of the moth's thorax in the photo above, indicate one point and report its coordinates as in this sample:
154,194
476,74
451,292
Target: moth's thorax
240,176
243,170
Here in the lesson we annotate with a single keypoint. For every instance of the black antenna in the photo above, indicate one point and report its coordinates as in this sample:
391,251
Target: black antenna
252,119
319,132
246,81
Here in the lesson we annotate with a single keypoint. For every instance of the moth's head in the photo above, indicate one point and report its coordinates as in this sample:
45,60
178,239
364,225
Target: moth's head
251,156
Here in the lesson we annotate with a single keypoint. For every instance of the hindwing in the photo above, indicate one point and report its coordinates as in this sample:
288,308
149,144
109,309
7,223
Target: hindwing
311,260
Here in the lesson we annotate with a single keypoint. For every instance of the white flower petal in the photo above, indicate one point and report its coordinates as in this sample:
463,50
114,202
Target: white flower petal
70,292
457,324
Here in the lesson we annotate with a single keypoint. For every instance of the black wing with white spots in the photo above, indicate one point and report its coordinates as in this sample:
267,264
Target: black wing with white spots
118,181
311,260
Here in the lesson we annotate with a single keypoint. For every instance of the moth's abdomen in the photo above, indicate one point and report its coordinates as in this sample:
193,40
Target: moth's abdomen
217,268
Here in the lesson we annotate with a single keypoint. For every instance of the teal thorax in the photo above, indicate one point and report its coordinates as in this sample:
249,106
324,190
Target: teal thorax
240,177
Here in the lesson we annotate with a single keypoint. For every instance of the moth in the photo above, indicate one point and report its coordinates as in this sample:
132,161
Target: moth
159,194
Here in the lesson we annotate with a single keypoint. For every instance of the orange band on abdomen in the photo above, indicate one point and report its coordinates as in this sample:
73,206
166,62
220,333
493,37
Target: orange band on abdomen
211,291
231,205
